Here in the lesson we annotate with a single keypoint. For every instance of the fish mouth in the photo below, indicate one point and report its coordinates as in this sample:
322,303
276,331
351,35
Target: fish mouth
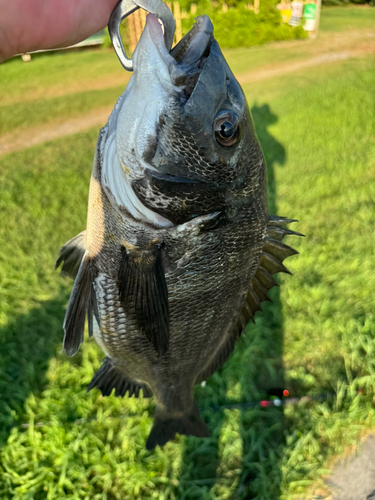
186,59
191,54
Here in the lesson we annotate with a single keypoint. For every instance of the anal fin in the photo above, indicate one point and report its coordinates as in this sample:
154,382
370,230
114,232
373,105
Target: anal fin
108,377
144,295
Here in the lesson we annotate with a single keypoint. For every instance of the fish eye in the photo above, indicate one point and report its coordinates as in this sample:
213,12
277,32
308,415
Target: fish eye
226,127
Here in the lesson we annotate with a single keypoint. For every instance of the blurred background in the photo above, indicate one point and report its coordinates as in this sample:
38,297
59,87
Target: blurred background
311,94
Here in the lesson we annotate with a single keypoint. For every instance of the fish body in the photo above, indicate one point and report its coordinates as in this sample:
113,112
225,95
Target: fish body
179,249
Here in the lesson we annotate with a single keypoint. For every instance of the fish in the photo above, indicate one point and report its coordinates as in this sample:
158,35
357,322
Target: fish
179,249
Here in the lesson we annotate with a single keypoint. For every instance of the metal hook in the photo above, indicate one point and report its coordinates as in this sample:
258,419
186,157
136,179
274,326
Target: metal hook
126,7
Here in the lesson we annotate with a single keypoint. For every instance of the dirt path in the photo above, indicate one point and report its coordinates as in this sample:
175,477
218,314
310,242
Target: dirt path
329,57
100,82
18,140
33,136
354,477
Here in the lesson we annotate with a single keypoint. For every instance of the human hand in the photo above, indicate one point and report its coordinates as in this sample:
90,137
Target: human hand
28,25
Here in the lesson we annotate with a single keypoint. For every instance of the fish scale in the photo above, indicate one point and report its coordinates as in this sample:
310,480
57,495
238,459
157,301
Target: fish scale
179,249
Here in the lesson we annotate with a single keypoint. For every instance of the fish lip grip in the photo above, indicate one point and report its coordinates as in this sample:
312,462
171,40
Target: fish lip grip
126,7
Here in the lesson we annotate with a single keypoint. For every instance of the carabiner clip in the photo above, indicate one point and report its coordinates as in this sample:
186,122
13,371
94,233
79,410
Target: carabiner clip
126,7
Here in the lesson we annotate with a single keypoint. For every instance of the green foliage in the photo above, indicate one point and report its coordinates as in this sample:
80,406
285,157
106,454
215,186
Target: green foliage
241,27
106,40
335,2
347,2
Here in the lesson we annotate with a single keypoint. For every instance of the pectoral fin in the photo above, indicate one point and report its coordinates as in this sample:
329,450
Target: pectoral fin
144,294
71,255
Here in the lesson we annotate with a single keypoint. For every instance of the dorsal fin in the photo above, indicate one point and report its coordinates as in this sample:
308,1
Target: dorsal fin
144,295
271,262
71,255
274,252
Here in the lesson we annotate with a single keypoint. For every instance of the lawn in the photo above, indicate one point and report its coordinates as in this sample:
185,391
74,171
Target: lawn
317,338
347,18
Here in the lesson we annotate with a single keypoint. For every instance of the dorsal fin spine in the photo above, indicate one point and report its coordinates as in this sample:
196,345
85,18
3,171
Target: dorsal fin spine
274,252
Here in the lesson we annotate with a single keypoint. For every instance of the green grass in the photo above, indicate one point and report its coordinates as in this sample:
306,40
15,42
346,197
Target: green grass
57,70
21,116
56,441
347,18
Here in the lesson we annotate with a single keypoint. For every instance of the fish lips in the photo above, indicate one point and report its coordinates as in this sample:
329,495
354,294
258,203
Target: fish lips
184,62
191,54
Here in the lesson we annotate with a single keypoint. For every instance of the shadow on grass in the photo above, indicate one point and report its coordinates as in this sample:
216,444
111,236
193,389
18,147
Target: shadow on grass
253,372
26,346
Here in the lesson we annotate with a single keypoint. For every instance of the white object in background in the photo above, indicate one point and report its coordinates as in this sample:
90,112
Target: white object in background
297,10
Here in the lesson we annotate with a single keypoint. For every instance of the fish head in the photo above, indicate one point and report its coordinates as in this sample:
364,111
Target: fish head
184,135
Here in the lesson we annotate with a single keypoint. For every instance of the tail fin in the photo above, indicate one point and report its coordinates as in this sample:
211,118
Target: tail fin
166,426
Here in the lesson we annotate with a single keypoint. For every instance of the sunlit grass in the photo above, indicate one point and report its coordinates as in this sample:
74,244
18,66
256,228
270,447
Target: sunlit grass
51,73
54,110
347,17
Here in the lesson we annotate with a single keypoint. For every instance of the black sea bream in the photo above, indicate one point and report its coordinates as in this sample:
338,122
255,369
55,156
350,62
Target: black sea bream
179,249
